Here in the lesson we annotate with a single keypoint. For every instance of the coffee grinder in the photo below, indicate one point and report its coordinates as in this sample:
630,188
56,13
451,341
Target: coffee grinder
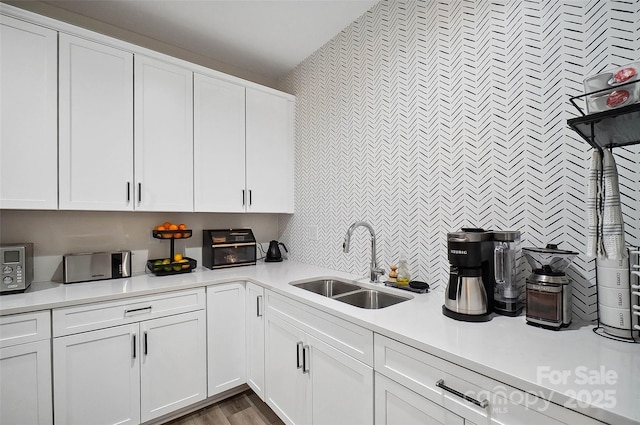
549,296
469,294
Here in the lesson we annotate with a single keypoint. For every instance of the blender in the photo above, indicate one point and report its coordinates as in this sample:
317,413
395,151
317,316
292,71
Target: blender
508,295
548,288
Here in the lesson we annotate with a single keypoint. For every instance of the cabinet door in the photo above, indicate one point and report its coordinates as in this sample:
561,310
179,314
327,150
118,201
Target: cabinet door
396,404
96,126
25,384
338,384
163,136
218,145
255,338
28,114
173,365
97,377
270,152
285,384
226,349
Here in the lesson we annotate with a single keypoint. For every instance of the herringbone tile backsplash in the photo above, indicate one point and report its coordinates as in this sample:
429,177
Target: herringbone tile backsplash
426,116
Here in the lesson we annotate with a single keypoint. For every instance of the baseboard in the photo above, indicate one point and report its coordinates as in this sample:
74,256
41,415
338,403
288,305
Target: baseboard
197,406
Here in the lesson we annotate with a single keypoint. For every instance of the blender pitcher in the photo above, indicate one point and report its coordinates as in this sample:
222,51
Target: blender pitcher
508,288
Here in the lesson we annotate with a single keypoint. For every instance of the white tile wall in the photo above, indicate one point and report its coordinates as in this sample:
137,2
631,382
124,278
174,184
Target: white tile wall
422,117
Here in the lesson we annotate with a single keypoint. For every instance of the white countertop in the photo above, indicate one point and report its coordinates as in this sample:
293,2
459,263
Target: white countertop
601,376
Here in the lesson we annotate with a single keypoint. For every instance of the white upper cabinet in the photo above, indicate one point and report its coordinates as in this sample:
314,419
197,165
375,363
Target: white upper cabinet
163,136
28,114
243,144
103,125
270,152
96,126
219,145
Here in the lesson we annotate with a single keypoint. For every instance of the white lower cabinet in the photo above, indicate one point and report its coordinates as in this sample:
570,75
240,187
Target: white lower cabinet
308,379
474,397
254,315
133,372
97,377
226,337
173,371
396,404
338,384
25,369
286,382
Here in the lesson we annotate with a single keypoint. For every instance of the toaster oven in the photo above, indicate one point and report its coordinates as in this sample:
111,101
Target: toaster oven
228,248
17,267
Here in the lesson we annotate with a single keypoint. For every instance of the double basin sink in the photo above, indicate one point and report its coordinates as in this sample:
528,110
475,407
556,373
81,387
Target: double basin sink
350,293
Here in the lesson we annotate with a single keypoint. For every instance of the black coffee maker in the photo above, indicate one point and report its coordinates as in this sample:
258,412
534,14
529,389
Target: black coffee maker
273,253
469,293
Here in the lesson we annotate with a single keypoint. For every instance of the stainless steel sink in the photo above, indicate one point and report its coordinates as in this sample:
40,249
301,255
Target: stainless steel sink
350,293
371,299
328,287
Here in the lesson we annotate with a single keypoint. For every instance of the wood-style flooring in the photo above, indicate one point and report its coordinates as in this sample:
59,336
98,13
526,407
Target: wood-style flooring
245,408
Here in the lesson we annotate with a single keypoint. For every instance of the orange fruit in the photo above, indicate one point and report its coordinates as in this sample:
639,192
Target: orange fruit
177,257
182,226
173,227
159,227
166,235
177,235
166,225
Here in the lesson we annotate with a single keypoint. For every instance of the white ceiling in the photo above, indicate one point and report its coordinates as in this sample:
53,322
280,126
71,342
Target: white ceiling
266,37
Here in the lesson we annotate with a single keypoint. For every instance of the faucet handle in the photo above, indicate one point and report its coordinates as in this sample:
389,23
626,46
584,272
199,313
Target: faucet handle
377,273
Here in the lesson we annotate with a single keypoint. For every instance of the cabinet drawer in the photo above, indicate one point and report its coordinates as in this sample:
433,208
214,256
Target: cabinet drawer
420,372
351,339
22,328
396,404
83,318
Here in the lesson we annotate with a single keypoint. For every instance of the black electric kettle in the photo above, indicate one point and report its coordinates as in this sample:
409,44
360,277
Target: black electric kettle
273,253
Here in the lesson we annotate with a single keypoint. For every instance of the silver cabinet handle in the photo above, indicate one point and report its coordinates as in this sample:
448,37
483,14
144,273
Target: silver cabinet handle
243,198
128,191
258,304
483,403
250,202
134,346
146,348
305,368
139,192
298,346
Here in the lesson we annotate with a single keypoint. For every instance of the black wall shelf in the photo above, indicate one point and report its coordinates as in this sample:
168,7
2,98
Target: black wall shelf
608,129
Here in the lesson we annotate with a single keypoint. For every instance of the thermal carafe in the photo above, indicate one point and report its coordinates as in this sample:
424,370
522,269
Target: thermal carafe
508,288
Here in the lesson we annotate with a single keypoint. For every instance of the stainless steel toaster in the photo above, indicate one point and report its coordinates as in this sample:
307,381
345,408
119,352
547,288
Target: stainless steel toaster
88,266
